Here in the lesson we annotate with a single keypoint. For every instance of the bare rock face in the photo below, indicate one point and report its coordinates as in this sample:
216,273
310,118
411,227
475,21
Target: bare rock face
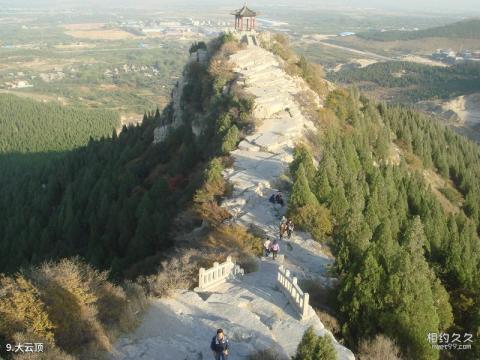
253,312
161,132
262,159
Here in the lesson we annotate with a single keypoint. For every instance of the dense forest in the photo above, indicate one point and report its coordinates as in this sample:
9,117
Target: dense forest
468,29
113,201
28,126
416,81
406,267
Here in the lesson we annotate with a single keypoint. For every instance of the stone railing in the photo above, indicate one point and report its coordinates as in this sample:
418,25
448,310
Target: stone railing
217,274
291,289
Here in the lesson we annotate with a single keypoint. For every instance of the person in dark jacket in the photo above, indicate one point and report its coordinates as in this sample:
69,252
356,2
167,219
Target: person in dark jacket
279,199
219,346
290,228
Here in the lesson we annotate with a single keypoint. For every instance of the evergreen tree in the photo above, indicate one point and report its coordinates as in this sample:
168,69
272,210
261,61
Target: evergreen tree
315,347
302,156
301,194
321,185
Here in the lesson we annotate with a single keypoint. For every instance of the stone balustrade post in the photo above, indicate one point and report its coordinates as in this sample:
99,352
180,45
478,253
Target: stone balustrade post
215,271
201,278
305,306
294,290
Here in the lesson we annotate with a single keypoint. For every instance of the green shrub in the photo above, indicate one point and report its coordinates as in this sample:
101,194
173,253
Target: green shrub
314,218
315,347
230,140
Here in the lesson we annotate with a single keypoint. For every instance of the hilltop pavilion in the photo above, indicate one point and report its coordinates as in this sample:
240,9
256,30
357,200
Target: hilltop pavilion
244,19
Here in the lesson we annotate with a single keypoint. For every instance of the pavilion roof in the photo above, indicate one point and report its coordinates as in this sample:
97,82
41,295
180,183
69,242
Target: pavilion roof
244,12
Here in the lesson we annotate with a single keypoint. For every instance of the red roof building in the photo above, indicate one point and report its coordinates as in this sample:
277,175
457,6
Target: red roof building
244,19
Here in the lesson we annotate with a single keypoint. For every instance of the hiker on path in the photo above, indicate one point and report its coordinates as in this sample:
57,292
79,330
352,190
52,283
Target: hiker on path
266,246
279,199
290,227
275,248
219,346
272,199
283,226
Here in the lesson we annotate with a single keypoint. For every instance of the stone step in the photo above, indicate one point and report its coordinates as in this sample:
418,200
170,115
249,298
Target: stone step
270,73
249,60
258,68
272,89
273,98
268,82
247,146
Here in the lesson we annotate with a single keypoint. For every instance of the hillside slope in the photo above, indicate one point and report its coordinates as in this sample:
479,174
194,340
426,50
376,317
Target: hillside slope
468,29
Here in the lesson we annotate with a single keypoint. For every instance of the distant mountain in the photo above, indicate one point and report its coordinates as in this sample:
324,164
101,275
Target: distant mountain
468,29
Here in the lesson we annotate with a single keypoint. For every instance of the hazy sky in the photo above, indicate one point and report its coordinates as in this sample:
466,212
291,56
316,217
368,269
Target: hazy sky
467,6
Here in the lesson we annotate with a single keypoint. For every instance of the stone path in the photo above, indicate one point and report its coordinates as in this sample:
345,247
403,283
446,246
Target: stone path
252,311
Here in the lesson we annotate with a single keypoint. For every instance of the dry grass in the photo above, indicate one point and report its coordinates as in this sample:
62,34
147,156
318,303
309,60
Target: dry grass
308,104
179,272
212,212
22,310
441,187
234,240
330,322
380,348
321,299
69,305
438,185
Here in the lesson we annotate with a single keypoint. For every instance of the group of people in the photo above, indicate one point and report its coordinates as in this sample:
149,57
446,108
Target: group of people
286,226
219,344
271,247
277,198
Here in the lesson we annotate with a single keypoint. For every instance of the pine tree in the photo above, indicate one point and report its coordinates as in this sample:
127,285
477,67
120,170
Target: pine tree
315,347
321,186
338,202
302,156
301,194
